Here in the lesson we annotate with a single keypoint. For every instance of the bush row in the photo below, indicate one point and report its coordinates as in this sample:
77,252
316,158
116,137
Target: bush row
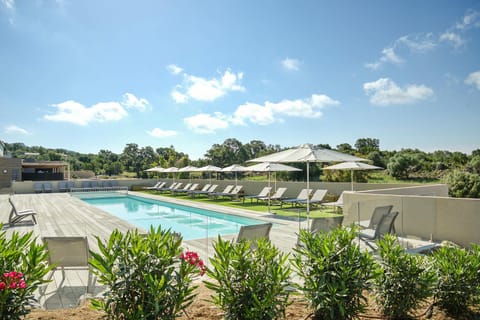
150,277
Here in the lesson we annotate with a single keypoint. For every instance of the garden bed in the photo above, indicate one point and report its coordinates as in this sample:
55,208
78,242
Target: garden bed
202,309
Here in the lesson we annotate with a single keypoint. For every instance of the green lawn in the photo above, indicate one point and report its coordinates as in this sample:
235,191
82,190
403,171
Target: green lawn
286,211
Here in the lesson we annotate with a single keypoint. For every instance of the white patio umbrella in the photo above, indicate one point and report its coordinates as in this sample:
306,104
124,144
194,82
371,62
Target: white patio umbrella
307,153
171,170
188,169
234,168
209,168
155,169
271,167
352,166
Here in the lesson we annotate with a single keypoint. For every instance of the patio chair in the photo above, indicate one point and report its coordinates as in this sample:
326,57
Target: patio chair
168,188
70,185
68,253
253,233
323,225
264,193
303,195
86,184
47,187
317,197
386,225
376,217
181,189
62,186
17,216
335,204
189,187
38,187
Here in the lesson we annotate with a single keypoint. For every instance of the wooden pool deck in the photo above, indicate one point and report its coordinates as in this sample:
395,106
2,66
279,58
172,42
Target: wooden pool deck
60,214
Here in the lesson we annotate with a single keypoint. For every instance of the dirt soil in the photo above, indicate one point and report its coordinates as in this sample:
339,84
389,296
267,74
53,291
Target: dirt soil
205,310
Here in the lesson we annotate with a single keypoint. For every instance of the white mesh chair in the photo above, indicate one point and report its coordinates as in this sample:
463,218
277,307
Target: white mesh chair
68,253
17,216
254,232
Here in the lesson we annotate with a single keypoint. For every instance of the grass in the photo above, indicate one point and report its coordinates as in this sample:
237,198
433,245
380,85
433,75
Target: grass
287,211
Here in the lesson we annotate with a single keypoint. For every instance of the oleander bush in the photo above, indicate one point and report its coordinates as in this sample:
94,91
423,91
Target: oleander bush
403,281
458,273
147,276
23,265
249,283
335,273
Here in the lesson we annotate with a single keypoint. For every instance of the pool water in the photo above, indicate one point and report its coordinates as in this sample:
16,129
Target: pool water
192,223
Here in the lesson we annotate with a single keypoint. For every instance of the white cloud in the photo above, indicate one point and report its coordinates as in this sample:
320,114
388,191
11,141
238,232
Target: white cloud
453,38
388,56
420,43
474,79
13,129
174,69
205,123
291,64
159,133
273,111
132,102
9,4
76,113
385,92
470,19
203,89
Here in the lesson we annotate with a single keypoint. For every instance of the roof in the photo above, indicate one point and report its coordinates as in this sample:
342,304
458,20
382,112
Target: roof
44,164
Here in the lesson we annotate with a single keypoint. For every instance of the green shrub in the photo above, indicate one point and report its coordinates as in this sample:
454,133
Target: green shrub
403,281
23,264
335,272
458,284
147,276
248,283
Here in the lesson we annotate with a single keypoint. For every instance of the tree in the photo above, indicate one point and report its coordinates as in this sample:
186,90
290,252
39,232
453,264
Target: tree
230,152
131,158
345,148
367,145
400,165
463,184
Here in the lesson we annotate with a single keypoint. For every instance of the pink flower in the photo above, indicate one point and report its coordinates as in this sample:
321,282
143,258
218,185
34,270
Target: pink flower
2,286
5,275
13,285
22,284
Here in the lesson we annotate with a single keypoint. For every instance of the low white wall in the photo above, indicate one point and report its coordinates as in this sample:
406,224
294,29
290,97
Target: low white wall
421,216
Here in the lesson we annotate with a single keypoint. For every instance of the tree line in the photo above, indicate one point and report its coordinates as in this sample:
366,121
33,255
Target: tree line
461,171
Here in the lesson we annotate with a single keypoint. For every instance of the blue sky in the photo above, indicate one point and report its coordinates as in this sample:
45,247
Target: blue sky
91,75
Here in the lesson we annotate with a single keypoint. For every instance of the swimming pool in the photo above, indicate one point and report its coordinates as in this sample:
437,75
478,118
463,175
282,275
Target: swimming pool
192,223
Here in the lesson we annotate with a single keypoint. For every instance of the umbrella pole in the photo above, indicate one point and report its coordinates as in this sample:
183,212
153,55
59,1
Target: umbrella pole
351,178
268,210
308,198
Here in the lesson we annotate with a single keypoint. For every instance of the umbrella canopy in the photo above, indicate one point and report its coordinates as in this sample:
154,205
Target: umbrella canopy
307,153
235,168
271,167
155,169
209,168
188,169
352,166
171,170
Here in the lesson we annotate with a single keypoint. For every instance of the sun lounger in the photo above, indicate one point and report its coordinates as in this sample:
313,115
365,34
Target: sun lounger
203,189
70,185
277,196
227,189
254,232
303,195
335,204
317,197
68,253
264,193
188,187
17,216
235,193
169,188
157,185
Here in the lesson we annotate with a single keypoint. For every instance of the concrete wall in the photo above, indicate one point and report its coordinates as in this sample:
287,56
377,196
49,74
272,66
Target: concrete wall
421,215
7,167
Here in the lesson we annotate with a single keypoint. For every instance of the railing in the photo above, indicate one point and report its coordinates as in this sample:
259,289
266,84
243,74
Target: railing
100,192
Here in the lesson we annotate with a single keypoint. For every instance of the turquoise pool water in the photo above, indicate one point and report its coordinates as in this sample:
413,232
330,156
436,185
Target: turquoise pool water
192,223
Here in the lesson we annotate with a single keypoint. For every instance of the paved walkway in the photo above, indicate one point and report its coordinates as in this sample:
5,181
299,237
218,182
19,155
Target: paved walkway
60,214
